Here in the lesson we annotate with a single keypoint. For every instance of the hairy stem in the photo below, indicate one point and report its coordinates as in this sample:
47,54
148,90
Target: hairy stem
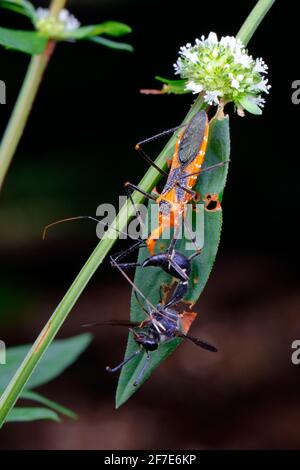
22,108
57,319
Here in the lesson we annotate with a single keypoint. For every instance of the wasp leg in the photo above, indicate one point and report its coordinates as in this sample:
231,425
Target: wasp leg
142,371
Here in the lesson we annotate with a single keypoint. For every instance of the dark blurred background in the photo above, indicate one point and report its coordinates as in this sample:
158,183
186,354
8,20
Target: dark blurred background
77,151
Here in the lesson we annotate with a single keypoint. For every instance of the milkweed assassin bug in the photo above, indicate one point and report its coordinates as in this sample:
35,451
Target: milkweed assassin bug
163,323
186,165
188,156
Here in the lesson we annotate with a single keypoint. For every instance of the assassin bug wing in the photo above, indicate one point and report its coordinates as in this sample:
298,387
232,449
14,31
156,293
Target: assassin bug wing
192,138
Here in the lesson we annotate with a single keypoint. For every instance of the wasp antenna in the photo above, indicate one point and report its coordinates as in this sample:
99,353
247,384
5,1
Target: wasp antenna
201,343
88,325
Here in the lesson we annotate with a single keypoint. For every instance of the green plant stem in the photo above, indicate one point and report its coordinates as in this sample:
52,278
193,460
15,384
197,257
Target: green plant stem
56,6
22,108
20,114
253,21
17,383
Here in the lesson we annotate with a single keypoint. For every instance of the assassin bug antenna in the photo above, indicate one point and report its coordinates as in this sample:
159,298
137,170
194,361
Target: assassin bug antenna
79,217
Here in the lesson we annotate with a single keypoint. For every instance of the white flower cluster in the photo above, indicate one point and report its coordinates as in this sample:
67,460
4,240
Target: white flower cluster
223,71
55,26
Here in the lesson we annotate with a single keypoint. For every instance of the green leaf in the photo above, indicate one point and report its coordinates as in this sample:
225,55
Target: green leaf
29,42
19,6
173,86
149,280
30,395
249,105
111,44
111,28
60,355
210,182
23,414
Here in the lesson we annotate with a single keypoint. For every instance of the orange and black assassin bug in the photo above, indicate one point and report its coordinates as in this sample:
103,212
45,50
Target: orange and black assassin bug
186,165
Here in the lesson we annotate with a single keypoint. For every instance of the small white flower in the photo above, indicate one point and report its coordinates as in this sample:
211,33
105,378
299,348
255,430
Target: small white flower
262,86
231,43
53,26
260,66
243,59
42,12
212,39
194,87
69,20
222,70
63,15
211,97
258,100
192,56
235,83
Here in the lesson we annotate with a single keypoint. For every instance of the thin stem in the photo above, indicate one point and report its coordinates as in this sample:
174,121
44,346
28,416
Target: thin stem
253,20
20,114
56,6
22,108
53,325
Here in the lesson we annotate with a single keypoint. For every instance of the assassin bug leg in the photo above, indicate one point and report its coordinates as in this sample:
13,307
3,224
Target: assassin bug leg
148,159
121,254
129,185
192,238
128,188
208,168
